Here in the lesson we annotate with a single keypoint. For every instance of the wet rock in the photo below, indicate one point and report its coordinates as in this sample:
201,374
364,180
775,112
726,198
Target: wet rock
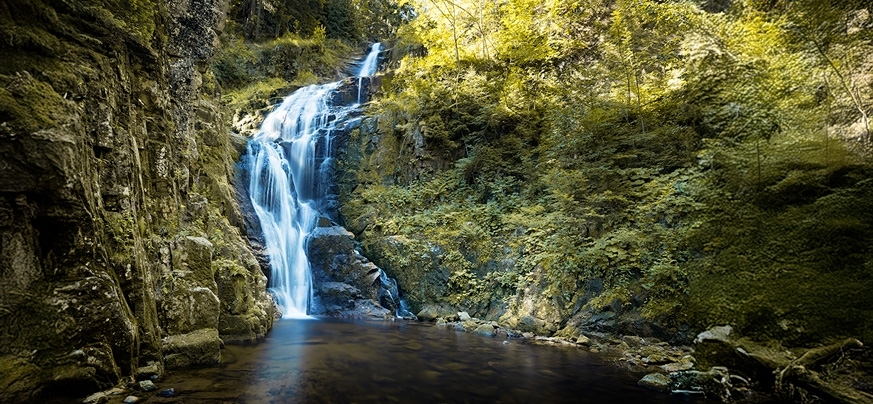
463,316
167,393
485,329
633,341
656,381
430,312
685,363
532,311
687,395
147,385
469,325
198,348
336,297
654,355
335,262
367,308
715,334
715,382
151,371
103,396
131,400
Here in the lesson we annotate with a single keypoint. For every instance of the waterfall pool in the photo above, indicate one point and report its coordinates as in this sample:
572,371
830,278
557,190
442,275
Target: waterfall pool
357,361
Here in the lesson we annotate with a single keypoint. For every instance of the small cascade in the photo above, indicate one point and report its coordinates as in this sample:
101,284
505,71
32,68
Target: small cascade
368,67
288,171
389,297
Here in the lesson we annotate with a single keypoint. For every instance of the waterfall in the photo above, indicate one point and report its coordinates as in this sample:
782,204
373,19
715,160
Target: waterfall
285,186
368,67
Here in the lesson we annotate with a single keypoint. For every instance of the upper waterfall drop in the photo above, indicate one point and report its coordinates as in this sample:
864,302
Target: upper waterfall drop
286,186
368,67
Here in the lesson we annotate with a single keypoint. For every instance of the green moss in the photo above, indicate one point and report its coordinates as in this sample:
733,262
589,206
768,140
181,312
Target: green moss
797,275
256,95
28,105
33,38
290,59
19,378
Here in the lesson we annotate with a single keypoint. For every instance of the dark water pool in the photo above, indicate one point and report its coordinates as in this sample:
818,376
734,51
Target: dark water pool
339,361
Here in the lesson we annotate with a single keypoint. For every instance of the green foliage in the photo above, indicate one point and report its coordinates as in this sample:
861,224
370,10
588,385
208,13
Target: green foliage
700,163
351,21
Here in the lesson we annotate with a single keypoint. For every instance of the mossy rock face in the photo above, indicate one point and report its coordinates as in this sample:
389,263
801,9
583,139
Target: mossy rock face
244,328
20,379
415,265
533,312
246,314
115,154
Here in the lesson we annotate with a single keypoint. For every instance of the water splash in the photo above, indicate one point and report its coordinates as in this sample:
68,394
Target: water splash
287,189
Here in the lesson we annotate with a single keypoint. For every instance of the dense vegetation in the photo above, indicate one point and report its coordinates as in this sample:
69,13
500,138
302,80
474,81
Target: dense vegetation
699,163
352,21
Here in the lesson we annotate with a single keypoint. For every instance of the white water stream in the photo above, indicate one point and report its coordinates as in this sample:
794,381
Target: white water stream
285,187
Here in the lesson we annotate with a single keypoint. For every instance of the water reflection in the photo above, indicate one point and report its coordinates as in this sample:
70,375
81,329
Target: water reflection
338,361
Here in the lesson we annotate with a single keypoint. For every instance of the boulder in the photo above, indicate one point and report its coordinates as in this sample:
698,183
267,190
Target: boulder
715,334
686,363
147,385
486,330
198,348
432,312
103,396
715,383
151,371
656,381
336,297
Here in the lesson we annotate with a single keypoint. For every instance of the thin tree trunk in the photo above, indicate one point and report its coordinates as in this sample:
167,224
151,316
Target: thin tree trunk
258,20
758,155
639,95
827,118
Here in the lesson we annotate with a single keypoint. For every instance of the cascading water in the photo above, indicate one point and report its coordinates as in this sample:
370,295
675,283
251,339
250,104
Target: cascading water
368,67
285,187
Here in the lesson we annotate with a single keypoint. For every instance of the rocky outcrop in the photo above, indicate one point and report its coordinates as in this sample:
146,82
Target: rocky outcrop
347,284
120,247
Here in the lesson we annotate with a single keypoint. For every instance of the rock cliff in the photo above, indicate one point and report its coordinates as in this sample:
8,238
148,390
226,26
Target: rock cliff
121,252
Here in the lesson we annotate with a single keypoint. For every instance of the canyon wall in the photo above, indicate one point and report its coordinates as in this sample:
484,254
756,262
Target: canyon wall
121,249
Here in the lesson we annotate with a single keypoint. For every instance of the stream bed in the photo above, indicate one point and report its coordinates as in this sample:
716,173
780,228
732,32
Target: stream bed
331,360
